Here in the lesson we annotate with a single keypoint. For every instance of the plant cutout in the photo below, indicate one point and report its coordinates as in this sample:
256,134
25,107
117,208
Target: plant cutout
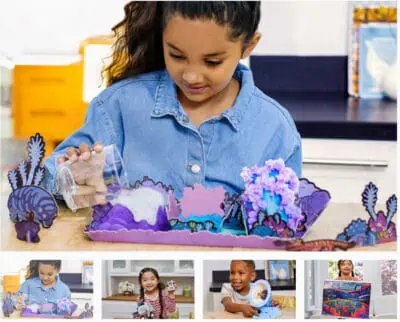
8,305
87,313
30,205
379,228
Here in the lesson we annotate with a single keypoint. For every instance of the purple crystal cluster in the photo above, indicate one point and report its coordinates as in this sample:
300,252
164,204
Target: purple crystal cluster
271,189
66,307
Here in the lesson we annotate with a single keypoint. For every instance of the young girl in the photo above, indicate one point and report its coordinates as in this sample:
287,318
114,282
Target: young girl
346,271
179,106
42,284
152,293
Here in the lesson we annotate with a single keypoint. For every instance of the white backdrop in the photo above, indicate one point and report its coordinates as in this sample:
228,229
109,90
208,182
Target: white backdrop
58,26
16,263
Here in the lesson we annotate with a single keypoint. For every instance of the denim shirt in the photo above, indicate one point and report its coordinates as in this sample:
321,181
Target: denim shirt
144,119
36,292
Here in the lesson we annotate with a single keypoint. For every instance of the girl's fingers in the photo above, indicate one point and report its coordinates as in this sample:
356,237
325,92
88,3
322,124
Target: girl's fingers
84,151
98,147
62,159
72,154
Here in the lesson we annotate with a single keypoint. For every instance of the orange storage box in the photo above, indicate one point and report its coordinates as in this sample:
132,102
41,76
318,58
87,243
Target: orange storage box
11,283
48,98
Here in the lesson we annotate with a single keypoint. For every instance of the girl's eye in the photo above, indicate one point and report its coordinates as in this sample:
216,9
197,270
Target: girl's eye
213,63
177,57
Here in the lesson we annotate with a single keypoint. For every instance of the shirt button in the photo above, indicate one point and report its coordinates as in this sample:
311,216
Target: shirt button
185,119
195,168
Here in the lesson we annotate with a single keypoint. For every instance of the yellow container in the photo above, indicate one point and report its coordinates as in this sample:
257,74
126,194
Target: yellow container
11,283
47,99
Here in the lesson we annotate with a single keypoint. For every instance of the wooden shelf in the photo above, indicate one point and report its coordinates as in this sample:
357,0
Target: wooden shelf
133,298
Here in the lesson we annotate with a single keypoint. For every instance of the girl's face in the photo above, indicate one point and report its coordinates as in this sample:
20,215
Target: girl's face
47,274
346,267
149,281
200,57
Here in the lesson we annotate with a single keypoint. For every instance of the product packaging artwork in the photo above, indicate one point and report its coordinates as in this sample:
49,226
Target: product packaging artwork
346,299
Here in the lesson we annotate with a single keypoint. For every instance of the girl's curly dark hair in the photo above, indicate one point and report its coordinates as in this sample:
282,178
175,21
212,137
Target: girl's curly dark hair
138,45
33,268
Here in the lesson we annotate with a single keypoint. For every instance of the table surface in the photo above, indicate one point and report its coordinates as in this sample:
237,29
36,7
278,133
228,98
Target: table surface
286,314
16,315
67,233
134,298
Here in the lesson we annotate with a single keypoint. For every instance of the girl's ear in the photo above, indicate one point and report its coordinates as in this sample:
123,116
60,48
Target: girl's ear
253,276
251,45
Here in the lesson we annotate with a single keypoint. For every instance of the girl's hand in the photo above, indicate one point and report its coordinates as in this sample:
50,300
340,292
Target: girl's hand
172,291
275,303
20,303
86,167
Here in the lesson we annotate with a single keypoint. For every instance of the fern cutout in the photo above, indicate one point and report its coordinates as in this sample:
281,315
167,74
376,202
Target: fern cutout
12,178
369,198
38,176
36,153
391,205
22,172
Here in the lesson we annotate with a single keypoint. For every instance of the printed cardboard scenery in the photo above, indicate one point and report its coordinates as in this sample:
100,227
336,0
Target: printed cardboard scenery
274,211
62,308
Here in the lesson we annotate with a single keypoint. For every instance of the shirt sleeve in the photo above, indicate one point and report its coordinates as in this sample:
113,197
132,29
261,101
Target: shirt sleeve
98,127
294,161
67,292
226,291
170,303
24,289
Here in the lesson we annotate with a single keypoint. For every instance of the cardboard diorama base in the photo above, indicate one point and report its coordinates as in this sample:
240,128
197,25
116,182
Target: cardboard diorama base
187,238
27,314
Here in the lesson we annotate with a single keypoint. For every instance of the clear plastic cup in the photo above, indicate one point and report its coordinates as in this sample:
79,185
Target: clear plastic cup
88,183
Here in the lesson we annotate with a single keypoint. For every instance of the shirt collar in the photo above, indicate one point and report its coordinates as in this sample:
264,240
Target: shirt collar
38,283
167,101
